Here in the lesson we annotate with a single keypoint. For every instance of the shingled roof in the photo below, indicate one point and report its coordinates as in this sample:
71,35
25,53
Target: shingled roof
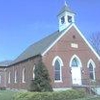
38,48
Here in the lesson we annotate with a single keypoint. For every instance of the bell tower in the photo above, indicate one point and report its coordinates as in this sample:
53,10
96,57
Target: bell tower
65,17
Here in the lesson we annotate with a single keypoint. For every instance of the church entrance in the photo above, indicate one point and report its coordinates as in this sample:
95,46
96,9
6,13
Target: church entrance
76,76
76,71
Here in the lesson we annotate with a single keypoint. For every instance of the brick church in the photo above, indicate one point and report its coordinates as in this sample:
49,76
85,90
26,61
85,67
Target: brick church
68,56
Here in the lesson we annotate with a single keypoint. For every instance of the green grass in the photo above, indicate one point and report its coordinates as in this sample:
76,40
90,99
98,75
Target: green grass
90,98
6,95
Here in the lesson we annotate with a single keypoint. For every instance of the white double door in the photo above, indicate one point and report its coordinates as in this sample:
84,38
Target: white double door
76,76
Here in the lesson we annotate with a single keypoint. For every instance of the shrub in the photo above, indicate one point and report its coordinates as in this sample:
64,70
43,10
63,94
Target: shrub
62,95
2,88
41,83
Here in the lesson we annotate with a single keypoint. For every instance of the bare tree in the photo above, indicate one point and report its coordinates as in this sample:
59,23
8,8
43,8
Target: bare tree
95,41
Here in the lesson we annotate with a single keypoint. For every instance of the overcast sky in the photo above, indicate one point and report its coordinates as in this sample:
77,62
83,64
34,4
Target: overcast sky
23,22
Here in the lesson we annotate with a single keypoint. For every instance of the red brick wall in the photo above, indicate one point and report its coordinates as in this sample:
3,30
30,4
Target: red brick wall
64,50
3,77
28,65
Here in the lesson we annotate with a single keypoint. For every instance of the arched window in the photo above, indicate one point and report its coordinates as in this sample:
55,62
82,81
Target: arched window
57,70
91,67
23,75
9,75
15,80
33,72
75,61
57,63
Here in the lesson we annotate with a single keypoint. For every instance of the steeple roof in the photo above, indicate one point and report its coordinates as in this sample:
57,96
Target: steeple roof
65,8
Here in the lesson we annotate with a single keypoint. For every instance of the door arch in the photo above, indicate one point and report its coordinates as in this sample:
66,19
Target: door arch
75,64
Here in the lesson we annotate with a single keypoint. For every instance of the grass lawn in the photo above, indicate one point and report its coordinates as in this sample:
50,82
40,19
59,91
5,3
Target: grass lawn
92,98
6,95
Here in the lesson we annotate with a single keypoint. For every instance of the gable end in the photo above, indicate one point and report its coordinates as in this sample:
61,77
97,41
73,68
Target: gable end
70,26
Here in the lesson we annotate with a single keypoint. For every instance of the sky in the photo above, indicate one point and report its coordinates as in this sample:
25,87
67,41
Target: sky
23,22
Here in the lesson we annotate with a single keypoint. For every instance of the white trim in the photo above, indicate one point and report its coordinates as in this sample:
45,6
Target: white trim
59,81
87,42
61,64
15,80
94,66
59,59
75,56
9,77
64,34
33,72
92,62
61,89
56,40
23,75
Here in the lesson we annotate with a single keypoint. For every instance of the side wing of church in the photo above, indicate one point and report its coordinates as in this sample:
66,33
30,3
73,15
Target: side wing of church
68,56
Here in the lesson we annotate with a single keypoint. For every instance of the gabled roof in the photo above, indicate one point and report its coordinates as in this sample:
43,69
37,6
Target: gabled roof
38,48
43,46
65,9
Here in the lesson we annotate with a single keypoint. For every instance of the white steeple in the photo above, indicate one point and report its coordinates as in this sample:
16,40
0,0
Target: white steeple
65,17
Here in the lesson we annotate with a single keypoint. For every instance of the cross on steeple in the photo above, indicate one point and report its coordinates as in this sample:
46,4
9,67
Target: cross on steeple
66,3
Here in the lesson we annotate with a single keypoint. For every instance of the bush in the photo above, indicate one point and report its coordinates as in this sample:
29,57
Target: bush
41,82
2,88
62,95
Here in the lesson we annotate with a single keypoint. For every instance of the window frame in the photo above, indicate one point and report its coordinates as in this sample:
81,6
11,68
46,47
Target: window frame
78,59
93,70
57,58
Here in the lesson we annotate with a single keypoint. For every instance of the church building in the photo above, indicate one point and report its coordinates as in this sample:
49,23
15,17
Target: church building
70,59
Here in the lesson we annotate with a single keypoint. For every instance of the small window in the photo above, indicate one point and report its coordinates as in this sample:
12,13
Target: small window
69,19
62,20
